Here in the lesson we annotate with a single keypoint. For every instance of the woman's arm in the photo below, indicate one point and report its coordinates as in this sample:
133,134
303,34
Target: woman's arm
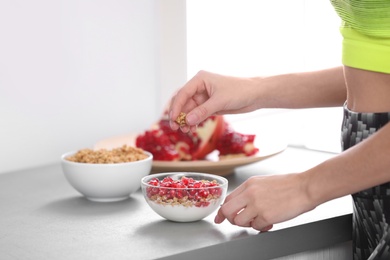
324,88
262,201
208,93
360,167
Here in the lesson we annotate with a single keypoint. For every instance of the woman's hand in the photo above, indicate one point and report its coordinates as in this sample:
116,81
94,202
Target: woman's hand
207,94
262,201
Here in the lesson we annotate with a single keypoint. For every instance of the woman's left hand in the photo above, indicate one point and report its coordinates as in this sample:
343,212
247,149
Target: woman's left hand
262,201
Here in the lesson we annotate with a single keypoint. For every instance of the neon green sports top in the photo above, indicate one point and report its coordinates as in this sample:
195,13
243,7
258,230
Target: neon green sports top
366,33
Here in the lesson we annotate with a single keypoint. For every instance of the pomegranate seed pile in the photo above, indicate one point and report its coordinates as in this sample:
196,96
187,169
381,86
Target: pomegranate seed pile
186,191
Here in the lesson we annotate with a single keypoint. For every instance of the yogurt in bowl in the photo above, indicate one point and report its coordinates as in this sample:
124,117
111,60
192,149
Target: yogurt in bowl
184,196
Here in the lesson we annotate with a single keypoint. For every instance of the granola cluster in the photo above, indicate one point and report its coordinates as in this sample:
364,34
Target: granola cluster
181,119
103,156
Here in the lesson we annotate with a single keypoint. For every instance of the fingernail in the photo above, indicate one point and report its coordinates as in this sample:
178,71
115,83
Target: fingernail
192,119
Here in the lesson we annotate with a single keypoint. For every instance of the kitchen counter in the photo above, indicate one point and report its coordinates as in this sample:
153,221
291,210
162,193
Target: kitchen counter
43,217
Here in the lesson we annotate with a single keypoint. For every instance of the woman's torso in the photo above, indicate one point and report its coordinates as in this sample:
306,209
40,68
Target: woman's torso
365,29
368,91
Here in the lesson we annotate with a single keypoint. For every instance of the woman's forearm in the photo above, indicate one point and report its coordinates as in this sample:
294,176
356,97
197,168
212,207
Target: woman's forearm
360,167
209,93
324,88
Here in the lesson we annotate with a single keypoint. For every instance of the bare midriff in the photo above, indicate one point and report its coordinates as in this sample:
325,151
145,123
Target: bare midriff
368,91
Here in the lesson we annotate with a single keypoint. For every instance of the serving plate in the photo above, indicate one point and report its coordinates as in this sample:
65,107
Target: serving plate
212,164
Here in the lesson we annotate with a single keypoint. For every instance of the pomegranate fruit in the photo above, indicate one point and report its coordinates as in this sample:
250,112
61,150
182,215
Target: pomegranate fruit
208,132
212,134
156,142
234,143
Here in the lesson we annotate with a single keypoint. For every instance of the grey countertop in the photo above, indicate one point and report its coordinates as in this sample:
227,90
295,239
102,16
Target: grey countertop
43,217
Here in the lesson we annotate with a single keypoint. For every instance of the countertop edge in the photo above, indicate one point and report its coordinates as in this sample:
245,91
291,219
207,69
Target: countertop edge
269,245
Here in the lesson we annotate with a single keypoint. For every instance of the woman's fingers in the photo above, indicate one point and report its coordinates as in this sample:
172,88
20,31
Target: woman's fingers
220,217
199,98
235,204
246,206
261,228
242,216
245,217
186,98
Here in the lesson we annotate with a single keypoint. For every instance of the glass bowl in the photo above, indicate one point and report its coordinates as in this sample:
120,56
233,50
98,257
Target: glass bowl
184,196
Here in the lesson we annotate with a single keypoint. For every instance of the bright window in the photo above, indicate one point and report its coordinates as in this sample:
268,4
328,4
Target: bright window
254,38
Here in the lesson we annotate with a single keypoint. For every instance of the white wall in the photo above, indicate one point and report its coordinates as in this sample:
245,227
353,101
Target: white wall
252,37
75,71
259,38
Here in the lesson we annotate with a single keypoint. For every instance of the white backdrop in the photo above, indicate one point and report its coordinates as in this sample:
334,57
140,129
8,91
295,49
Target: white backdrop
75,71
260,38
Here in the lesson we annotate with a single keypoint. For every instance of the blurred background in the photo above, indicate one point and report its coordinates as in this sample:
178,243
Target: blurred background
75,72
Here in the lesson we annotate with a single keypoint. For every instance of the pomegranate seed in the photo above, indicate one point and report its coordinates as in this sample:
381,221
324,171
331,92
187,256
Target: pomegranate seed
162,192
154,182
197,185
206,203
192,192
198,204
185,181
167,180
179,194
203,193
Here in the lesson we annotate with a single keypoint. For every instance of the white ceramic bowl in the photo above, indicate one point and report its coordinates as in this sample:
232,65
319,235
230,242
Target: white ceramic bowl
184,202
106,182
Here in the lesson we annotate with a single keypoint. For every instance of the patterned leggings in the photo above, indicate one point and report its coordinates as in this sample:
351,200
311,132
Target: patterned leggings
371,207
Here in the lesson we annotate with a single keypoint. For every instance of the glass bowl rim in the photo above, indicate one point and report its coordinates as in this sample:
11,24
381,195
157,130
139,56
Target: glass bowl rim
222,181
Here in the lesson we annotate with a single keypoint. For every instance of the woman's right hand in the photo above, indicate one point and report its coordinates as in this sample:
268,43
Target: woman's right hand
209,94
